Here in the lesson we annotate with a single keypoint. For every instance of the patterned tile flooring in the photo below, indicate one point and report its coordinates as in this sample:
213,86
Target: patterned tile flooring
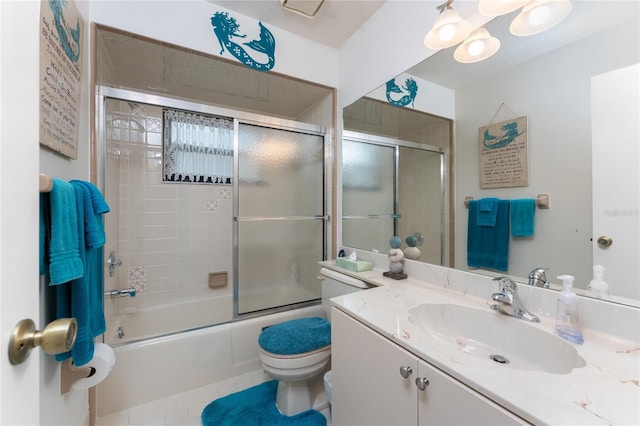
185,408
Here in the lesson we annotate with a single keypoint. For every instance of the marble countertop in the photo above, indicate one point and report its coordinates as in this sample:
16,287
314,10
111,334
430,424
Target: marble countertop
605,391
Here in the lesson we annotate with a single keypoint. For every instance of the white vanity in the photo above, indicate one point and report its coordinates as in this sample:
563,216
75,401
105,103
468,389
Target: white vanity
440,331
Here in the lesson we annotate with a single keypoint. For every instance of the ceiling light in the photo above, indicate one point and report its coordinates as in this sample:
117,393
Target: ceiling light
499,7
448,30
540,15
477,47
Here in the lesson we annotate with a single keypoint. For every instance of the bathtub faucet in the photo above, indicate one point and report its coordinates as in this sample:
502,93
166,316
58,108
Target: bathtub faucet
131,292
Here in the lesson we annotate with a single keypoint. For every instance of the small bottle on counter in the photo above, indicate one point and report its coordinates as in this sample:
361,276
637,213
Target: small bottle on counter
567,318
598,288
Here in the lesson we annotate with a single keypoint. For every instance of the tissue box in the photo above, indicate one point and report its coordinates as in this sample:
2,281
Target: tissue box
354,265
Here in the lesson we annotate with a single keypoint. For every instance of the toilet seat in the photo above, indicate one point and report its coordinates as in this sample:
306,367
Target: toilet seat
295,367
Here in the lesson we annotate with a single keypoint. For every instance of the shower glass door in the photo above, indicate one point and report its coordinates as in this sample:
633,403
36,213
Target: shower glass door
279,217
368,194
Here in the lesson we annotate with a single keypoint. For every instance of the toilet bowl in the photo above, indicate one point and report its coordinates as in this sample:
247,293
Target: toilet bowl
295,353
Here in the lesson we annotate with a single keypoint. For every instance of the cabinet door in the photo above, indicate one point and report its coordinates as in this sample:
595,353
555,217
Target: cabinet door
446,401
367,386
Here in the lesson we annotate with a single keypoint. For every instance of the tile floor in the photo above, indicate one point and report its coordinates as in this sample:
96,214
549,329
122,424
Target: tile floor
184,408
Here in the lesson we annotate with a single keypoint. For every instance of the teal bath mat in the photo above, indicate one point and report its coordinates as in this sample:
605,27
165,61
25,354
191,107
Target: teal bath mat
255,406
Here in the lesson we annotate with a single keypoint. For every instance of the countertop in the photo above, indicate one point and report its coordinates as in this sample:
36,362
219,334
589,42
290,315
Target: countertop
605,391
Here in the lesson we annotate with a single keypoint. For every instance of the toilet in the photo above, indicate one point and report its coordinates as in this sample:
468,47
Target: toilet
297,352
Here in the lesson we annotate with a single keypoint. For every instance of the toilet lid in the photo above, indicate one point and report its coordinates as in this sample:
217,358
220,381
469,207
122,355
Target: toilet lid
296,336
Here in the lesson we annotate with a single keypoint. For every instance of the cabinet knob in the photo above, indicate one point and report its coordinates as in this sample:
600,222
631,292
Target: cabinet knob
422,383
405,371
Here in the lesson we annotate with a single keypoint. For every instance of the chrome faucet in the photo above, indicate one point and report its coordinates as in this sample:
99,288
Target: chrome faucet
538,278
509,302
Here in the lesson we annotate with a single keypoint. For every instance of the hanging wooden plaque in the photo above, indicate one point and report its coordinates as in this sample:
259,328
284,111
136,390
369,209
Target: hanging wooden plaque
504,154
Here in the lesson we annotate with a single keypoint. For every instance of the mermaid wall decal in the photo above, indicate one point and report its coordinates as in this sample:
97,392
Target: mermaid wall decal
69,37
225,28
410,86
511,132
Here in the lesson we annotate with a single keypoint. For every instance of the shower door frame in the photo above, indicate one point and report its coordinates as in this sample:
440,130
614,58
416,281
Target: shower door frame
396,216
98,167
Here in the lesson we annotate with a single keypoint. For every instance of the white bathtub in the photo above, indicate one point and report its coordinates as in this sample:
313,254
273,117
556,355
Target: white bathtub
165,319
156,368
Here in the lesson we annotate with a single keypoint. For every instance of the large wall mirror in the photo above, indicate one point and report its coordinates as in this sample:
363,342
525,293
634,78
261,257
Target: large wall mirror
547,78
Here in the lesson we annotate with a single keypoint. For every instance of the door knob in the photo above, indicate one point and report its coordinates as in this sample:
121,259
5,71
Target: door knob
422,383
57,337
605,241
405,371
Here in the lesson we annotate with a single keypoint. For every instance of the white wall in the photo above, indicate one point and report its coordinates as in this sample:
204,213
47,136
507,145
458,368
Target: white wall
553,91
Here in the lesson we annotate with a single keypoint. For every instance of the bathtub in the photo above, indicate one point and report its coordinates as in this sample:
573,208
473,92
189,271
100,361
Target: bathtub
156,368
136,324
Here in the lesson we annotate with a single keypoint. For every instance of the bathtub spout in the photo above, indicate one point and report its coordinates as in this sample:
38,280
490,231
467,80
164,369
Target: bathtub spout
131,292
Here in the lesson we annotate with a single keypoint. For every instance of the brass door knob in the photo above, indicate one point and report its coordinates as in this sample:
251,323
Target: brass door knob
57,337
605,241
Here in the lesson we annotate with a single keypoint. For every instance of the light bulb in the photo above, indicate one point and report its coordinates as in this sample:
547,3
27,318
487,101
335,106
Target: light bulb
447,32
476,48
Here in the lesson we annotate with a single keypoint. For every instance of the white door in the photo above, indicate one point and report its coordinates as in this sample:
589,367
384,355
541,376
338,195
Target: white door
616,178
19,158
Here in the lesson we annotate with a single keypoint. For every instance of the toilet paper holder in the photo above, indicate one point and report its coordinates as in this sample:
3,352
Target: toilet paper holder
69,374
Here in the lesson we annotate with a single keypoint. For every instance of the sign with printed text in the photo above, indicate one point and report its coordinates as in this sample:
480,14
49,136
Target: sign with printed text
504,154
61,34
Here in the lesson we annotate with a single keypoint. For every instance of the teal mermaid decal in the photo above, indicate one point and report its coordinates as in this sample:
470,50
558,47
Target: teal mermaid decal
490,141
410,86
226,27
69,37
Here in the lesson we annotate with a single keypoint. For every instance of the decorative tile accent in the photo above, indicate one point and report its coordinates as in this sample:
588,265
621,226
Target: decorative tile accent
212,205
225,194
137,278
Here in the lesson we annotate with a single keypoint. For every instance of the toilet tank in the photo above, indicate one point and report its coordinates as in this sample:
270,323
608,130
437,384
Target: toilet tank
336,284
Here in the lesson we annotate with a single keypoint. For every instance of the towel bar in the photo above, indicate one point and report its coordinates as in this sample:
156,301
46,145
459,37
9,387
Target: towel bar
542,201
46,183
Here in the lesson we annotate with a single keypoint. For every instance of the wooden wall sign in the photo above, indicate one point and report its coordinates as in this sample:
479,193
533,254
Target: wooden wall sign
504,154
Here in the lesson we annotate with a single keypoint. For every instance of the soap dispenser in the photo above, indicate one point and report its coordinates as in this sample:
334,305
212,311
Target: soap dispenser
567,319
597,287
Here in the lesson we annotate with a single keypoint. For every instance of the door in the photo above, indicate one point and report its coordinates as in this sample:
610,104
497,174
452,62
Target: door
19,151
615,151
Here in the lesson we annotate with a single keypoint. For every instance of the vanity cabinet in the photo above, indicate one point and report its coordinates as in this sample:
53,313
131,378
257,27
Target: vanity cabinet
369,386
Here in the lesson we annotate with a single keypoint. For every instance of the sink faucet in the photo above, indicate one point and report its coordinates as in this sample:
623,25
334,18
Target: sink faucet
508,301
538,278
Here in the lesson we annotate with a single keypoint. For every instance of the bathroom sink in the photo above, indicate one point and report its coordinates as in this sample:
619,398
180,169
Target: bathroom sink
497,338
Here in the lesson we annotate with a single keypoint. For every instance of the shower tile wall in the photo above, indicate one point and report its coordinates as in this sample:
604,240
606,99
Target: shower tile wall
169,236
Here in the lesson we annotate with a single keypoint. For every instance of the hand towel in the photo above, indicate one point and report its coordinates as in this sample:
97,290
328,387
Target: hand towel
45,226
93,228
487,211
488,246
64,256
522,217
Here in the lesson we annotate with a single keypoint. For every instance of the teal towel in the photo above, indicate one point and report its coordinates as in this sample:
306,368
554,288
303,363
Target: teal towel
93,227
487,211
488,246
64,256
522,217
82,297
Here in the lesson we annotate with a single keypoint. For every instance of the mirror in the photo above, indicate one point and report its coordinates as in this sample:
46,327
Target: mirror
547,78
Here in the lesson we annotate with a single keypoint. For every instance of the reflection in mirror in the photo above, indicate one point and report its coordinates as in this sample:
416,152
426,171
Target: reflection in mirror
548,79
393,178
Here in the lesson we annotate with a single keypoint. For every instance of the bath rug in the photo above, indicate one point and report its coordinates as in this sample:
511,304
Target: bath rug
256,406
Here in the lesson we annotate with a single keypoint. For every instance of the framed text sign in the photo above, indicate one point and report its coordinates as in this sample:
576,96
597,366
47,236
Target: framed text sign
61,33
504,154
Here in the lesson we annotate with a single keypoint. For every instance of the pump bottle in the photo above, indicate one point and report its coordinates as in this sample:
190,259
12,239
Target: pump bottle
597,287
567,318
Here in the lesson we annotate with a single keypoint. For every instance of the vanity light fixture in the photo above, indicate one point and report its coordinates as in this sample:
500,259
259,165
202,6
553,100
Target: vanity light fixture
499,7
477,47
539,15
449,28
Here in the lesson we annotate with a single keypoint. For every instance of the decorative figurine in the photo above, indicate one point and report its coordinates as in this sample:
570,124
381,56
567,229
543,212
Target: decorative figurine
411,252
395,260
